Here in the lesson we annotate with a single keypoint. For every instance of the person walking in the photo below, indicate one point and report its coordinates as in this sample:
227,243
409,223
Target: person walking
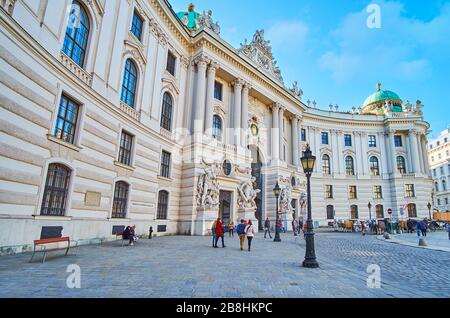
267,228
250,233
219,233
213,230
423,227
418,229
294,226
231,228
363,228
448,229
240,230
300,226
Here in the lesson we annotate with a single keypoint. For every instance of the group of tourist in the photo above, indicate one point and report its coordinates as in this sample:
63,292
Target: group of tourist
244,230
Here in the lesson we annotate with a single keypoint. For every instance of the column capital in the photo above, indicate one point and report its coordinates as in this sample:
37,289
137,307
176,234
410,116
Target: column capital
184,62
238,83
392,131
202,60
247,86
213,67
275,107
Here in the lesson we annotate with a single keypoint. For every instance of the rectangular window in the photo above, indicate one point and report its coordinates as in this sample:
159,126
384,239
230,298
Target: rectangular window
348,140
218,88
66,122
398,141
439,201
442,170
352,192
434,172
324,138
125,150
409,191
163,205
328,192
446,200
372,141
171,61
377,192
136,26
303,134
165,164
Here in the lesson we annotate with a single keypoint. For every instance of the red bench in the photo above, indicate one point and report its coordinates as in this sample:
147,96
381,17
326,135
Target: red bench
50,241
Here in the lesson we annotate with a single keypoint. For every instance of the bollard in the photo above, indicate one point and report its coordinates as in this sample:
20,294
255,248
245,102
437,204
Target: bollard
387,236
422,242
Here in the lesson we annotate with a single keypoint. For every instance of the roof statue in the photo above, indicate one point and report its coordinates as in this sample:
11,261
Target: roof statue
297,91
195,21
260,51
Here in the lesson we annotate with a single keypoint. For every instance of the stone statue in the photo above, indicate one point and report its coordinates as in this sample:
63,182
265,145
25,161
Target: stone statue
208,190
296,90
205,20
247,194
419,107
285,199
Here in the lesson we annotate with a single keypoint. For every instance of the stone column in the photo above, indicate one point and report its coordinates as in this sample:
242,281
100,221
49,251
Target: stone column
280,125
358,153
422,157
244,120
334,150
212,69
199,105
426,164
416,156
237,83
384,156
364,149
318,143
409,151
392,152
340,159
295,139
275,133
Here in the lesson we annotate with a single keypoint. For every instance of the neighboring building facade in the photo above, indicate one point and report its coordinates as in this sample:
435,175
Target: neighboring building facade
439,159
125,113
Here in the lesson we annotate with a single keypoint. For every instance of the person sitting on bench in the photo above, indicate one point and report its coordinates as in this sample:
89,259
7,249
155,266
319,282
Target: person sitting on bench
128,234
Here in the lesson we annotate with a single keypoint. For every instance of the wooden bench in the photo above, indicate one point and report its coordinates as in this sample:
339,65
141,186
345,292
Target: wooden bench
50,241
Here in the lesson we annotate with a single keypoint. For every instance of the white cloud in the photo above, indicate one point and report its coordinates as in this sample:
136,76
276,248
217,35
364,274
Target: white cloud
288,34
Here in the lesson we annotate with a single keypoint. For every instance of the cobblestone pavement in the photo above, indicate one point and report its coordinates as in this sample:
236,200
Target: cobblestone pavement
184,267
435,240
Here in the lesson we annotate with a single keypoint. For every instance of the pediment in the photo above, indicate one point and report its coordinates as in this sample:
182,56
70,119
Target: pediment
136,51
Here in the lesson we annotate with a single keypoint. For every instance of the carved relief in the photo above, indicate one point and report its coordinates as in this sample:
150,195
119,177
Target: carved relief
208,191
247,194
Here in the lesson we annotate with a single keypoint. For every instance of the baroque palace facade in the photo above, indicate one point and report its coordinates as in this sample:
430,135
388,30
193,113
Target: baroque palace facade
118,113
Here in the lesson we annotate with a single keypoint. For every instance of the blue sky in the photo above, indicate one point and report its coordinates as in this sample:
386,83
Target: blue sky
327,47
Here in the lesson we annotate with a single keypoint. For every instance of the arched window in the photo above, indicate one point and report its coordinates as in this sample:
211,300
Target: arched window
56,190
77,34
120,202
354,212
166,113
217,127
163,205
374,166
129,83
349,166
436,186
326,164
444,185
330,212
379,209
401,166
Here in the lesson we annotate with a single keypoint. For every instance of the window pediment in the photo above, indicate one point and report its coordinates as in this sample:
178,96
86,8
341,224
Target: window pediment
169,83
136,51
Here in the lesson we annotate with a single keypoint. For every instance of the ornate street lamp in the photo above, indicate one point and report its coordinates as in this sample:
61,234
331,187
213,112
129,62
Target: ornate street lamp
277,191
308,161
429,209
370,211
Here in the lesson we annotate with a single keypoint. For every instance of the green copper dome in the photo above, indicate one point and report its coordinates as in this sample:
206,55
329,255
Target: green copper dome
189,18
375,102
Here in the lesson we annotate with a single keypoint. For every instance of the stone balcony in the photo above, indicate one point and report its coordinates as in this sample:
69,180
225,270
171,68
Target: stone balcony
75,69
130,111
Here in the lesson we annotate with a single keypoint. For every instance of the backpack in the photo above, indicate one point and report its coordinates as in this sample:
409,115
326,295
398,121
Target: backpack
241,229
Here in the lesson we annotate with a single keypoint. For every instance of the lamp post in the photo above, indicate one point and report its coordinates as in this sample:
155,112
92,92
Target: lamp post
370,211
308,161
277,191
429,210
